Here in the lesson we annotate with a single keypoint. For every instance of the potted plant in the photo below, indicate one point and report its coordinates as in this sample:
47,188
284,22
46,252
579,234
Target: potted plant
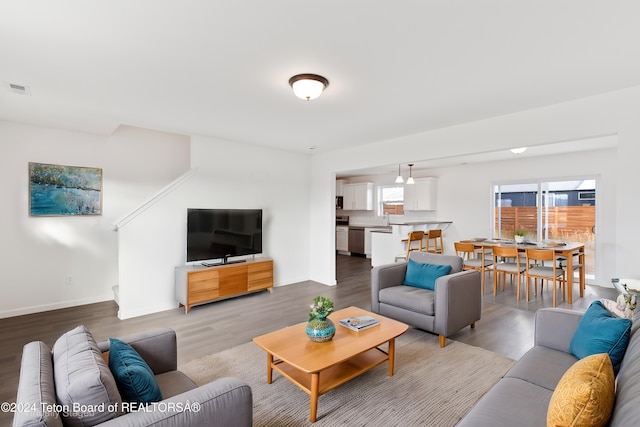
519,235
320,328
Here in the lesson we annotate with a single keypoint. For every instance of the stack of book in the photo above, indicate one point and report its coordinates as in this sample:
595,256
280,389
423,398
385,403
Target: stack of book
359,323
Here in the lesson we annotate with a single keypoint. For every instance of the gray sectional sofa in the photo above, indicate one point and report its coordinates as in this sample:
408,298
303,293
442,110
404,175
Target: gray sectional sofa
75,377
522,397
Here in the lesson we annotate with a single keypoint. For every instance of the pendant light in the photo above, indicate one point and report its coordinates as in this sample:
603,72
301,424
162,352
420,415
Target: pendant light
399,179
410,180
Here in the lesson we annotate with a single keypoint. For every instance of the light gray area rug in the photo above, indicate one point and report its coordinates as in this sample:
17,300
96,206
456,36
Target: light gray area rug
431,386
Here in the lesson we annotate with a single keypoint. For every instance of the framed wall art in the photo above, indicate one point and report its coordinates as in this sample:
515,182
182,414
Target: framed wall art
56,190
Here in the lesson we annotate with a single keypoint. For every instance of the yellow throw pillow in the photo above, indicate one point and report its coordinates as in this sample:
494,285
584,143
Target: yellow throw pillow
585,394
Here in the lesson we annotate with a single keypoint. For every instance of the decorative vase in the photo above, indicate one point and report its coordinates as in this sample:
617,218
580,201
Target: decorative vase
321,329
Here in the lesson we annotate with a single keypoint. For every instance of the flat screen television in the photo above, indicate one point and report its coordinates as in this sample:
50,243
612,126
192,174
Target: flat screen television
222,233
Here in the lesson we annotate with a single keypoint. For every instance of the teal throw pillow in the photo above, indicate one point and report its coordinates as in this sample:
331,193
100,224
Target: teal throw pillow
599,331
134,377
424,275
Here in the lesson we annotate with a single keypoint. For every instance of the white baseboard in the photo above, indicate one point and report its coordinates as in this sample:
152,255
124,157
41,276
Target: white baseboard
142,311
56,306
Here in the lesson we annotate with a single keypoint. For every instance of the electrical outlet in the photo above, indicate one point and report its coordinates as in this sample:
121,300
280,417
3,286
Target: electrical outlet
69,280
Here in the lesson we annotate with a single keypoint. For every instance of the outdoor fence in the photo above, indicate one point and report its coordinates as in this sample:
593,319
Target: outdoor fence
567,223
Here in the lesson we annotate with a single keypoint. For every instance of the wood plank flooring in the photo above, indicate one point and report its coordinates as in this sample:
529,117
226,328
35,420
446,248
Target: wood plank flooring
506,326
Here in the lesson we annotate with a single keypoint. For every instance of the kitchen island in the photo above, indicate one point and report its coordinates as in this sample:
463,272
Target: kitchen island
387,244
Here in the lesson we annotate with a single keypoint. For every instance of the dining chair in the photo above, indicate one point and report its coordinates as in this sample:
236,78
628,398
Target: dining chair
414,236
470,261
538,269
577,264
434,236
506,260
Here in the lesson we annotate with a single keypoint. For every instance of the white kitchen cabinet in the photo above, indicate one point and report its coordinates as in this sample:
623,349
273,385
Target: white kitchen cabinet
358,197
420,196
342,238
340,187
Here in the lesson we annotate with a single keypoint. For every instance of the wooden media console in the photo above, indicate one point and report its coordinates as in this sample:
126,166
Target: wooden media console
197,284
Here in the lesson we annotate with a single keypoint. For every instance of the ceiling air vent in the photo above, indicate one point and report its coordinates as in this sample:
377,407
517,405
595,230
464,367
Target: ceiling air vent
20,89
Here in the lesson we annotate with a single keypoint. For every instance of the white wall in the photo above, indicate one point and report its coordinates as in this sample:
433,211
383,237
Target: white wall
610,114
228,175
38,253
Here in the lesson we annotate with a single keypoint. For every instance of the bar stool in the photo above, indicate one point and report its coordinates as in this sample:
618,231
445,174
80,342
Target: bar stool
414,236
436,237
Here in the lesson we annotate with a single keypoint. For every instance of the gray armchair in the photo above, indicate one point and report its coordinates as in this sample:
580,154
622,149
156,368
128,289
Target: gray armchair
455,303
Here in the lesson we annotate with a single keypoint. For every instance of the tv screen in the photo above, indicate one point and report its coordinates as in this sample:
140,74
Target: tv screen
223,233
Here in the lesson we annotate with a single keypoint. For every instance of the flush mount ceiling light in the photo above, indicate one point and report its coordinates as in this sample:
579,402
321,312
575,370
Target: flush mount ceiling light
518,150
308,86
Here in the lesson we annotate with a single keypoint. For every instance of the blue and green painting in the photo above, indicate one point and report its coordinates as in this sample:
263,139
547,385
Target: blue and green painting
64,190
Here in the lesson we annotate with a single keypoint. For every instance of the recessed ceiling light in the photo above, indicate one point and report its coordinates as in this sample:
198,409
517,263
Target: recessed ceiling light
518,150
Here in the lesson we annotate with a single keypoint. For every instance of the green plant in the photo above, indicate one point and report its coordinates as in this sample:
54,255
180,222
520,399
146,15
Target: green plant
321,308
521,232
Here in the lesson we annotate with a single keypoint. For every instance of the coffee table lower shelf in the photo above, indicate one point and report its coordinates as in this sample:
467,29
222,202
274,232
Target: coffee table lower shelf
335,375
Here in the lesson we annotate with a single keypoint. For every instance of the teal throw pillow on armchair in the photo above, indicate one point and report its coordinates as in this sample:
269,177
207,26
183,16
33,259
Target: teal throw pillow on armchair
424,276
134,377
599,331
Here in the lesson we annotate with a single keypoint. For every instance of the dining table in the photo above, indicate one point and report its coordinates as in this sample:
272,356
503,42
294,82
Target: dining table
567,250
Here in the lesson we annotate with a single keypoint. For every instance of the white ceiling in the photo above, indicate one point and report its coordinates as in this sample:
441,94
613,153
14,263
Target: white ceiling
220,68
590,144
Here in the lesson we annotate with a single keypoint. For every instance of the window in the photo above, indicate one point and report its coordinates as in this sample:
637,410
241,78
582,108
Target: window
391,200
549,210
586,195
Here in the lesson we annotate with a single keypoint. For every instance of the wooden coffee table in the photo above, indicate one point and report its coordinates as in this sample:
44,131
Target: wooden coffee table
319,367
